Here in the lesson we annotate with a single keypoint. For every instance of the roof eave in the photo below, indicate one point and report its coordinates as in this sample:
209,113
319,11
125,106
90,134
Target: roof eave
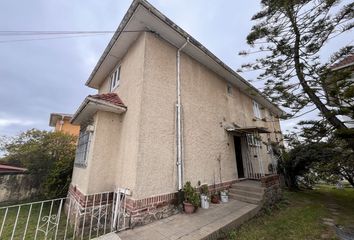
132,9
95,105
344,66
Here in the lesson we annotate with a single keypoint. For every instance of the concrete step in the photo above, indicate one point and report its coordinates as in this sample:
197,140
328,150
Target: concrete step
252,194
248,188
245,198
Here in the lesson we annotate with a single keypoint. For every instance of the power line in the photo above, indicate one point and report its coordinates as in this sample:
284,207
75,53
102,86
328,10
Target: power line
17,32
48,38
55,34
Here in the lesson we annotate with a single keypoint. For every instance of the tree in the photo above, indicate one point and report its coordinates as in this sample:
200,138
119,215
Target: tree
292,34
298,161
315,152
339,166
49,157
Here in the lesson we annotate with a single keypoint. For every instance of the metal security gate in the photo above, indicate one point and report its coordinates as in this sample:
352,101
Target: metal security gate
120,217
251,150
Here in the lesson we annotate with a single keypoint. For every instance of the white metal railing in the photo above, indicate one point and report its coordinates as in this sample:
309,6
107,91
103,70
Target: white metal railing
65,218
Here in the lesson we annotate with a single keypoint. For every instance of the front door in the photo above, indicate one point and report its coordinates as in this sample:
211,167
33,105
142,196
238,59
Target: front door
238,153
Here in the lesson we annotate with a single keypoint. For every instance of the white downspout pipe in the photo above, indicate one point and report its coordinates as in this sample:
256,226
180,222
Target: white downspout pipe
179,120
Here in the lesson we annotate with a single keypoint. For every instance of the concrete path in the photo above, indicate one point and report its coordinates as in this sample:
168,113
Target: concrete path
205,224
109,236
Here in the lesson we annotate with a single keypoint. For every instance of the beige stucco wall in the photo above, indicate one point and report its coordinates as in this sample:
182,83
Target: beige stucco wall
206,106
114,146
137,149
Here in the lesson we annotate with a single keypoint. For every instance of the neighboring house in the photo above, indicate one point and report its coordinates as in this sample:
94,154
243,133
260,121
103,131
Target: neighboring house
6,169
61,123
168,111
344,65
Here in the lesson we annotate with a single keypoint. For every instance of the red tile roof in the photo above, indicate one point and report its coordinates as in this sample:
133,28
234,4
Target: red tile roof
345,61
111,98
11,169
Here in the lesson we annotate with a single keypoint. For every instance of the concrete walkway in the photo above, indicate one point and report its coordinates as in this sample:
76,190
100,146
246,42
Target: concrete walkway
205,224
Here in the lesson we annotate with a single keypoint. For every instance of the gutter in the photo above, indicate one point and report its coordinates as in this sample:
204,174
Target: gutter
179,119
89,100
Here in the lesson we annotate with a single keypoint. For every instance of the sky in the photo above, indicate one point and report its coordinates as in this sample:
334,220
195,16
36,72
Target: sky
38,77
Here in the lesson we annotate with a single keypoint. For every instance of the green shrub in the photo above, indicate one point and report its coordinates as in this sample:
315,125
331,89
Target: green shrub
191,195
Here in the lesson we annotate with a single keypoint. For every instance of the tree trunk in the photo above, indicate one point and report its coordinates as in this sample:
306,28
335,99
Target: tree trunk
330,116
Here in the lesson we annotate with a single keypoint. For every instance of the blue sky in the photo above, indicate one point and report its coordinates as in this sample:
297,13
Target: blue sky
44,76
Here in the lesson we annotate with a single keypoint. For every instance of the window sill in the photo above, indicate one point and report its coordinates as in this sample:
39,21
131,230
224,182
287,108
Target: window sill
113,89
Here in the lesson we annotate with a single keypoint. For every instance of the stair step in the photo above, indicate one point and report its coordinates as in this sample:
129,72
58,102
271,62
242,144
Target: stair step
252,194
245,199
249,188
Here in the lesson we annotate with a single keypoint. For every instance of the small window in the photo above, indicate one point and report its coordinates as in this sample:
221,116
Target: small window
229,88
256,110
82,149
115,77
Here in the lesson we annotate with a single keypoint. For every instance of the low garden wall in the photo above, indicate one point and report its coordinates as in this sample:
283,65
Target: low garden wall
17,187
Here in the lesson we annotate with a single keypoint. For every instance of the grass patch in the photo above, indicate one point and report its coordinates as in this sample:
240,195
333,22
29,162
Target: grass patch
299,216
29,218
30,221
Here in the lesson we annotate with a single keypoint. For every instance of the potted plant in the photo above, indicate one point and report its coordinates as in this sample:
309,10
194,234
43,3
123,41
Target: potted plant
191,198
224,195
204,191
215,198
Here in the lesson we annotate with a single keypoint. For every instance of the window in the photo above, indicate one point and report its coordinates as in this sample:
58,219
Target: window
82,149
229,88
115,77
254,140
256,110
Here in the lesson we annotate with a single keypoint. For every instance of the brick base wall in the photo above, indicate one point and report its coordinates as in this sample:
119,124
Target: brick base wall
146,210
270,180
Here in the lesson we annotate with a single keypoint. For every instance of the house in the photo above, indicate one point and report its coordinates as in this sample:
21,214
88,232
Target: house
7,169
335,86
61,123
168,111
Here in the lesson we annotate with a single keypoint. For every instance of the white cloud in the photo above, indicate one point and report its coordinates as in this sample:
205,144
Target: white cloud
5,122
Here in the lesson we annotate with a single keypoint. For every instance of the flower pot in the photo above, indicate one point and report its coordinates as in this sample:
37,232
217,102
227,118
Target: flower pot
215,199
224,197
204,201
188,207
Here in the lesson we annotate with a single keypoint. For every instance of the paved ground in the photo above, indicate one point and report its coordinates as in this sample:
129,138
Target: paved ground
195,226
109,236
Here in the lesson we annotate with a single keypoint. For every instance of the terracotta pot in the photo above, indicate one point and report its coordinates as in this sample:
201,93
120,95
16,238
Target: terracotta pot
188,207
215,199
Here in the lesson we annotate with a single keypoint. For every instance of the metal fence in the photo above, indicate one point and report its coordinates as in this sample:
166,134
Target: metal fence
65,218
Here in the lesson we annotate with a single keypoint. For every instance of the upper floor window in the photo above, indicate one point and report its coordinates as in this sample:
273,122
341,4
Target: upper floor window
229,89
115,77
256,110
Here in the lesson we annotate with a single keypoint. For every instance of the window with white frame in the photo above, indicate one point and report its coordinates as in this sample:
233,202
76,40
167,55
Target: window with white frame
115,77
82,149
256,110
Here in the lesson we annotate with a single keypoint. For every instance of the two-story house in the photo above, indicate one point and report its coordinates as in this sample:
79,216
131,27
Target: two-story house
338,84
61,123
168,111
